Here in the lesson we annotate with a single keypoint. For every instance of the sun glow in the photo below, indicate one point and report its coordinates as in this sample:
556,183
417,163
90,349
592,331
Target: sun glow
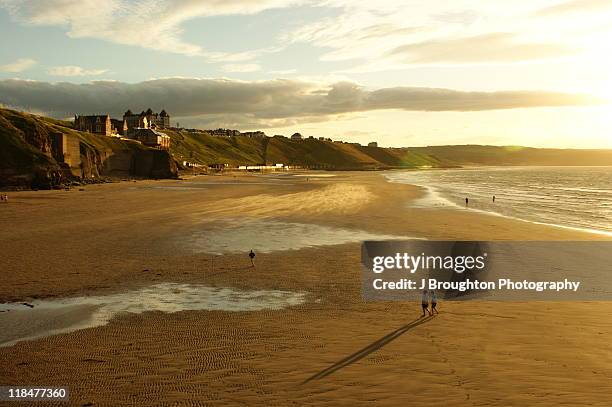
598,60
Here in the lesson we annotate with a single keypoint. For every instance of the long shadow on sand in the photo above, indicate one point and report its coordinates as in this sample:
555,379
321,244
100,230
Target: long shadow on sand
368,349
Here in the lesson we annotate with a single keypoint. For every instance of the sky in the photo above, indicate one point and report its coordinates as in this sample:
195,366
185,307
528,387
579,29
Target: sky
402,73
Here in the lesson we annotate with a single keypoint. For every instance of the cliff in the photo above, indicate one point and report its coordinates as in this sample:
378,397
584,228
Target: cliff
38,152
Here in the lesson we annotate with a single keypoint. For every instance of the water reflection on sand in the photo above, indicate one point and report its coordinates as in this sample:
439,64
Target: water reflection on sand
267,236
51,317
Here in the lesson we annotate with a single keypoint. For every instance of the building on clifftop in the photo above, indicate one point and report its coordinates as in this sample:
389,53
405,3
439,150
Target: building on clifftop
97,124
146,120
119,127
135,121
152,138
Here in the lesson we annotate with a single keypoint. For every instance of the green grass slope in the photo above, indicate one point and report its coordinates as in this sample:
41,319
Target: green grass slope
203,148
514,155
16,154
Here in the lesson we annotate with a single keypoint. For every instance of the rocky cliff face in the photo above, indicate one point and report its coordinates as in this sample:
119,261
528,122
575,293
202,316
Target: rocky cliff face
36,152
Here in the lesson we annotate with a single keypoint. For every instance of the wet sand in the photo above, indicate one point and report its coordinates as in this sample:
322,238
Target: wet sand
334,349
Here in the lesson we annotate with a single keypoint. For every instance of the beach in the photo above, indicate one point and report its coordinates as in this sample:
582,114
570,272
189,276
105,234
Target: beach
332,348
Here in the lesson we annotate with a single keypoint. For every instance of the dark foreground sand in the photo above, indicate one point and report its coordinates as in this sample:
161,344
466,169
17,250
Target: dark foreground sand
333,350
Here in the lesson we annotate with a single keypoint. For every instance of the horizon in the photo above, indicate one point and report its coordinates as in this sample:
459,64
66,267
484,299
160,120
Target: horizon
513,146
532,74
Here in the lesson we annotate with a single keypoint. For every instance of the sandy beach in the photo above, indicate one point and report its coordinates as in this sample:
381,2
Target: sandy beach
331,349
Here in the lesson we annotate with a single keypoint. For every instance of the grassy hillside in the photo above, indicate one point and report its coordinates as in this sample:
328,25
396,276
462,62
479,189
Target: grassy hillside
514,155
15,152
203,148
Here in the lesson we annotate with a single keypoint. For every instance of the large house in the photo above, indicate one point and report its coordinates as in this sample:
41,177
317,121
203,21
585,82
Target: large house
146,120
119,127
97,124
152,138
135,121
161,120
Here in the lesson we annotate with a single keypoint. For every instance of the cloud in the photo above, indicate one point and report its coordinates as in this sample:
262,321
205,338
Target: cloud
390,34
270,103
462,17
494,47
432,99
19,65
149,24
357,31
284,72
241,68
72,70
365,33
575,6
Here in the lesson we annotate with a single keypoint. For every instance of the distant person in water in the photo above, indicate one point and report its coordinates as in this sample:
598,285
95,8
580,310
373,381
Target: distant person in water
493,198
467,202
425,303
252,257
434,302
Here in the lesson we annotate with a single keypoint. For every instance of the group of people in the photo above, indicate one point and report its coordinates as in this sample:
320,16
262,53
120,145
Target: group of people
3,198
427,298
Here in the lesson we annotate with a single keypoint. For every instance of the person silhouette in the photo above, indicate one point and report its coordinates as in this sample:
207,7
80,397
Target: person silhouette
434,302
467,202
252,257
425,303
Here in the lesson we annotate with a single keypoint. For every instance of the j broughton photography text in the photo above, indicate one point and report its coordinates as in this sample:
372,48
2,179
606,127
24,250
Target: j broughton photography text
454,271
193,193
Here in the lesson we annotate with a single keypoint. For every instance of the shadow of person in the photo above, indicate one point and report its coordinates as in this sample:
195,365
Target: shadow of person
368,349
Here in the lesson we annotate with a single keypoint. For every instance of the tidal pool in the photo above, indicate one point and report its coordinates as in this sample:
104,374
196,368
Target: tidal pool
268,236
19,322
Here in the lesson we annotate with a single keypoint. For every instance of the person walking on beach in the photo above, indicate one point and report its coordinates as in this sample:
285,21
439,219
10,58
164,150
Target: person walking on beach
425,303
467,201
252,257
493,198
434,302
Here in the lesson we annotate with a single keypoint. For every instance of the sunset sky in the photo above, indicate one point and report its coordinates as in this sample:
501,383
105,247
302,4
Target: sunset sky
403,73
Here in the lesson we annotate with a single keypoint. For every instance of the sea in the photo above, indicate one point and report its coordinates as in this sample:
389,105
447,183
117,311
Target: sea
569,197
